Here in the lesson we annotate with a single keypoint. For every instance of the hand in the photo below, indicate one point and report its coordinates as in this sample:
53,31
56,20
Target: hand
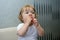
35,22
27,20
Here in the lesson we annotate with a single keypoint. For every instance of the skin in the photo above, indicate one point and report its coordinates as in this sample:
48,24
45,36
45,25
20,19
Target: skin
29,18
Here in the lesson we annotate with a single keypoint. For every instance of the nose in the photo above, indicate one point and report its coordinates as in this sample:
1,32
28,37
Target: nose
30,14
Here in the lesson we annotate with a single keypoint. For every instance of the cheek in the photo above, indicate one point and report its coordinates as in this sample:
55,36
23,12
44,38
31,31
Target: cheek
24,16
33,15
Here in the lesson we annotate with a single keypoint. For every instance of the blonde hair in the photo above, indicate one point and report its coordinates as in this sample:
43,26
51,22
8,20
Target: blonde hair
20,14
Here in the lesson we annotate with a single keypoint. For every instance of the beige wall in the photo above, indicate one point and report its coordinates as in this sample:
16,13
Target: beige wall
8,34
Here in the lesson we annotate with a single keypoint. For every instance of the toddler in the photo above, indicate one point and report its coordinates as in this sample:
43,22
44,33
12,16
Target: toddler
29,29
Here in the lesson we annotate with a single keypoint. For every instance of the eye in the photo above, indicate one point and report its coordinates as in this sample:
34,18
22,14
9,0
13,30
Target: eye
27,12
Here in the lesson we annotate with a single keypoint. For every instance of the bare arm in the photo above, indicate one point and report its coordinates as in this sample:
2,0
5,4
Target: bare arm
40,30
23,30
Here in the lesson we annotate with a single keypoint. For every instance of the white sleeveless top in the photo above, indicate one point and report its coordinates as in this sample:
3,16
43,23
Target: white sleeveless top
31,33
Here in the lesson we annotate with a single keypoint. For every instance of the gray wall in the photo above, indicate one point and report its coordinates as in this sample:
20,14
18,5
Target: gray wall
9,10
49,15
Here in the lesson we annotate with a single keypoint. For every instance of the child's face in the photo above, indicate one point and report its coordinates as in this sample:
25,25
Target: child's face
27,12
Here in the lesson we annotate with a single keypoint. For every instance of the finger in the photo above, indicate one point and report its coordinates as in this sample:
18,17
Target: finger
34,22
34,19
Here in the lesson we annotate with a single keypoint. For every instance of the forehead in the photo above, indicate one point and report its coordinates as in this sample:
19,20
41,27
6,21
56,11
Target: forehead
28,8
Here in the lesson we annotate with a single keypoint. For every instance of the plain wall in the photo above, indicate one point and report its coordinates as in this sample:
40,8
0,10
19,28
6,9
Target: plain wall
9,10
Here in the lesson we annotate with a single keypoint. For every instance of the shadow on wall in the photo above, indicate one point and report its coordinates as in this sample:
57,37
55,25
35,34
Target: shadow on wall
49,17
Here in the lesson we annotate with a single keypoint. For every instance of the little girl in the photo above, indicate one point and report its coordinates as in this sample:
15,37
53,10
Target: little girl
29,29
